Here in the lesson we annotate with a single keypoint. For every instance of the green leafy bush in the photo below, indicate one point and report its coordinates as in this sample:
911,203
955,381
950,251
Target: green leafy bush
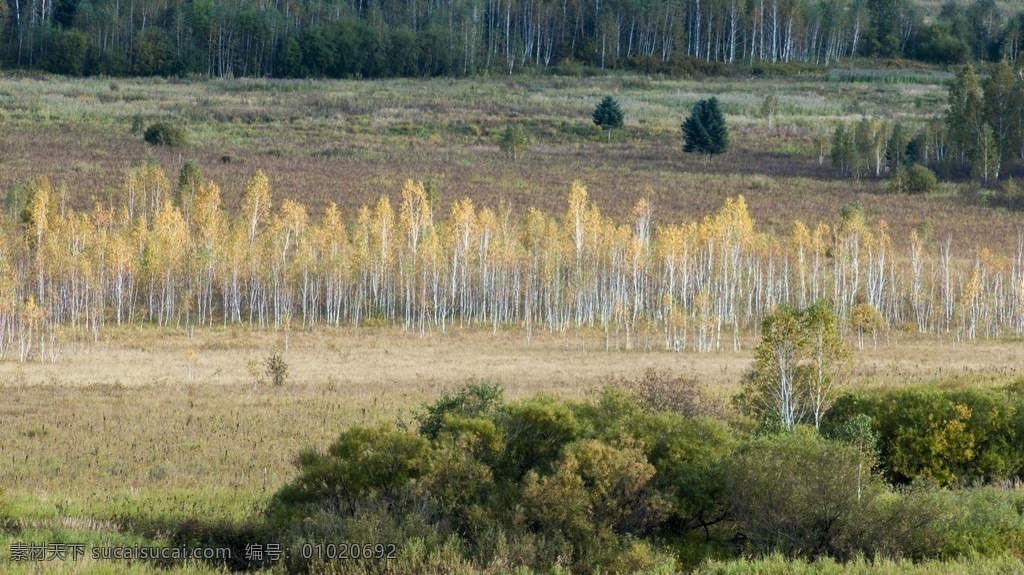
950,437
514,141
536,483
920,180
617,485
166,134
797,494
475,399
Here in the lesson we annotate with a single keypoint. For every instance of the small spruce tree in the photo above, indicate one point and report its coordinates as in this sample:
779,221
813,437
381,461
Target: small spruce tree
705,131
608,115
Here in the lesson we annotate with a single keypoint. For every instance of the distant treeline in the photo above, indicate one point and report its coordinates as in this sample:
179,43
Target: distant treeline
362,38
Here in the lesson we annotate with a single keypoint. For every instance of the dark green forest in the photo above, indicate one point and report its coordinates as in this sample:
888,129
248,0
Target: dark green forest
363,38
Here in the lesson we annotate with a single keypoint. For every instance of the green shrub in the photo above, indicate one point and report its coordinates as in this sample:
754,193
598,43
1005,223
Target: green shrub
535,432
985,521
537,483
1009,196
166,134
594,493
475,399
514,141
362,462
920,180
797,494
949,437
613,486
277,369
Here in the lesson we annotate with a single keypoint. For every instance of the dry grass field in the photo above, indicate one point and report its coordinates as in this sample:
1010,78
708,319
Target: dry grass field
350,142
117,443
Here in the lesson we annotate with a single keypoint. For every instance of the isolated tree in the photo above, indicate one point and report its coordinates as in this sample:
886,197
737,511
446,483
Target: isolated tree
799,365
514,141
770,108
866,319
705,131
608,115
772,384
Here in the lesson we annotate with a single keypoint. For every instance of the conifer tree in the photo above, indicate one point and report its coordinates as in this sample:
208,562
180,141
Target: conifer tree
608,115
705,131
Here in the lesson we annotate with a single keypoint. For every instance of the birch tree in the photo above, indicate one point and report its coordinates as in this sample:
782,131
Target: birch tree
799,365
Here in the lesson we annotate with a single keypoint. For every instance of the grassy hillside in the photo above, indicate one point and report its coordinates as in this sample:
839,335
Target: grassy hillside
351,142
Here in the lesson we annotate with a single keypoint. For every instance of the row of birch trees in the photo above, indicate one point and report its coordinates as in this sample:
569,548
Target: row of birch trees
173,256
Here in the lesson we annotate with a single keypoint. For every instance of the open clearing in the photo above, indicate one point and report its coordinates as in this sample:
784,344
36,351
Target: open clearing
123,414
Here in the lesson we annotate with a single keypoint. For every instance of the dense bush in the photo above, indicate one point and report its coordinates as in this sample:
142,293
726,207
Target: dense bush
536,482
620,485
936,43
955,437
920,180
801,496
165,134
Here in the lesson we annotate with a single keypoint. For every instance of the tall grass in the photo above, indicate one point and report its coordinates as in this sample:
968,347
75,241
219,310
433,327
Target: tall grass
928,77
776,565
